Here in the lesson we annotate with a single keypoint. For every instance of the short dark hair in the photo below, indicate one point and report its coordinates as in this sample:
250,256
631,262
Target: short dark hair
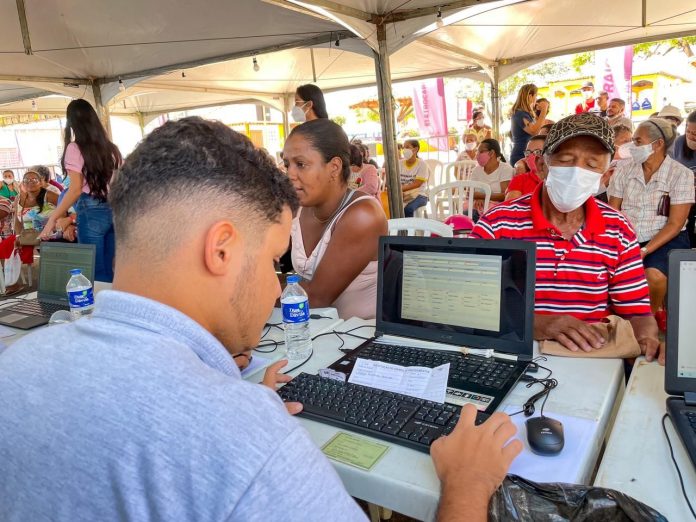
207,154
541,137
413,143
327,138
310,92
686,151
619,101
356,156
546,126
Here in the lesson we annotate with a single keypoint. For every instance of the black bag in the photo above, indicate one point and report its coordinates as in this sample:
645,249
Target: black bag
521,500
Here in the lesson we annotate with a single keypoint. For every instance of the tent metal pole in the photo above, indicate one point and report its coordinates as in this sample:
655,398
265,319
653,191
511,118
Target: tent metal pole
495,102
24,26
102,110
386,113
141,124
286,117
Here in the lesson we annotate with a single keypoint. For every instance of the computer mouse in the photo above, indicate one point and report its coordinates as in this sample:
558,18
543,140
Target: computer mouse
545,435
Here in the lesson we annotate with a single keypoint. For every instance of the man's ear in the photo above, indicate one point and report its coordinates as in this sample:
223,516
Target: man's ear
222,248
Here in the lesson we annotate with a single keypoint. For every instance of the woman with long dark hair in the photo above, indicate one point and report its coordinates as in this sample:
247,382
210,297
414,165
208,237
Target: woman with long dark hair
89,159
309,104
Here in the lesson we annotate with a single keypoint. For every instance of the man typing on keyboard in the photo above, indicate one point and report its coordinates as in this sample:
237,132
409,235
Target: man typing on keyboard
139,411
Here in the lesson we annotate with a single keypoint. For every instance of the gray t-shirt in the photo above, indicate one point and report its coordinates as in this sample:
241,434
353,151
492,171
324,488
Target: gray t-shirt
138,413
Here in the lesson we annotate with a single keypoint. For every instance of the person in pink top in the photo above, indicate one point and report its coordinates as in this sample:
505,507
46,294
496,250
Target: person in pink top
89,159
335,235
363,176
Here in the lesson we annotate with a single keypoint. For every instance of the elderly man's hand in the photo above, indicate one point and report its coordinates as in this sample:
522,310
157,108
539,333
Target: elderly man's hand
645,330
572,333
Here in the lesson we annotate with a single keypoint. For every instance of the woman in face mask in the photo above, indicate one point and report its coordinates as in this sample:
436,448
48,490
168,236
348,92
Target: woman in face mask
655,193
10,188
414,174
492,170
685,153
479,127
309,104
623,141
470,140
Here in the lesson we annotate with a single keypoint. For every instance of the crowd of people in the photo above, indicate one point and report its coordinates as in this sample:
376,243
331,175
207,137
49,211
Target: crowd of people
153,408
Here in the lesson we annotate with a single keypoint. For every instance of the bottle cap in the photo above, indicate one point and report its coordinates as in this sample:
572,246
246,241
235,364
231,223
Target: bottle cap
293,279
75,271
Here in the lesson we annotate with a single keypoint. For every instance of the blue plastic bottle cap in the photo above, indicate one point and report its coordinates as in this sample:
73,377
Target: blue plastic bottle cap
76,271
293,279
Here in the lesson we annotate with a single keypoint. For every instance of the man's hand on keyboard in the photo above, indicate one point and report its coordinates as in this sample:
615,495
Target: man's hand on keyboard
472,462
272,379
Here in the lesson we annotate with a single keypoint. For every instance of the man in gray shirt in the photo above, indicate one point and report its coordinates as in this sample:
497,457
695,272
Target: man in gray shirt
138,412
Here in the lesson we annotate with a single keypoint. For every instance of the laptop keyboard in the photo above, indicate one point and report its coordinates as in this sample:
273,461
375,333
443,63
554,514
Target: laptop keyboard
463,369
691,417
35,307
397,418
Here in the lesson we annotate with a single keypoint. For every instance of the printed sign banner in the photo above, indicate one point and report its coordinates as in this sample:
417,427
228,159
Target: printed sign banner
614,72
431,114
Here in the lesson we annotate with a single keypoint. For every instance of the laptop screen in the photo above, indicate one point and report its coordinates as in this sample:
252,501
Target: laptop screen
680,373
57,259
465,292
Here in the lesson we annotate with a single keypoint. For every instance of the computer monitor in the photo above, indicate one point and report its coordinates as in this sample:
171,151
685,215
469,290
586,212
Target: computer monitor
680,371
466,292
57,259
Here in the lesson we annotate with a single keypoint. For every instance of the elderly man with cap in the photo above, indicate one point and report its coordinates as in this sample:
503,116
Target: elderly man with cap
588,259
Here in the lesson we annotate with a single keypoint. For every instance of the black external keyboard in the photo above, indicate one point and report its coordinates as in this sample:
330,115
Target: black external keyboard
397,418
463,369
35,307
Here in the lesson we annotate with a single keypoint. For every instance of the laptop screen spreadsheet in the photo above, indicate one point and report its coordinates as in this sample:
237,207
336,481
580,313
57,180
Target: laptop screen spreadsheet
452,288
56,263
686,358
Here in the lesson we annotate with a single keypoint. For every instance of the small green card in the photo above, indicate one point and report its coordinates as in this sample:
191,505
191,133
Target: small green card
354,451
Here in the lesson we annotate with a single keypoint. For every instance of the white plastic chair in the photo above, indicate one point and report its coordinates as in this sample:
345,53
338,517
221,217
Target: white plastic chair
436,169
448,199
459,171
414,225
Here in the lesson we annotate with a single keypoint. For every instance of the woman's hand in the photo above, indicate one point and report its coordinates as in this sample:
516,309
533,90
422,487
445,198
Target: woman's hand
543,106
48,229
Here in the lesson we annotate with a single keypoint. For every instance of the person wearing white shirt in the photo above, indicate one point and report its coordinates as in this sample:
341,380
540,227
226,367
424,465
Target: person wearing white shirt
492,170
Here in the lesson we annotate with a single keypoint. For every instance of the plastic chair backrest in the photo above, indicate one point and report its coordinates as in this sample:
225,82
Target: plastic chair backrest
436,169
413,225
459,171
448,199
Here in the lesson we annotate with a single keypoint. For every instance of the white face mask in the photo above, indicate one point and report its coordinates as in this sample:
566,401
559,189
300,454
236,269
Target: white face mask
298,114
640,153
470,146
9,181
408,154
570,187
624,151
479,122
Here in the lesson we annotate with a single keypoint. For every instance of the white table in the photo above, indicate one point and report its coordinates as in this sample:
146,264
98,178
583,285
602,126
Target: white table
404,479
637,460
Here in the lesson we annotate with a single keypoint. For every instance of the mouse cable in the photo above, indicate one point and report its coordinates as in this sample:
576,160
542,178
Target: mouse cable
548,383
337,334
674,460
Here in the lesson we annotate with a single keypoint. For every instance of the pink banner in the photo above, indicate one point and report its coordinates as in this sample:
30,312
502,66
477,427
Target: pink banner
614,72
431,114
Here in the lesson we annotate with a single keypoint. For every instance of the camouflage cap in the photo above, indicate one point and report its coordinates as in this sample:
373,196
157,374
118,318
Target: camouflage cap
585,124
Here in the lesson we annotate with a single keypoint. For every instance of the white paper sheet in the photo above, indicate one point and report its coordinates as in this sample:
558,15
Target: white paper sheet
425,383
564,467
6,332
257,363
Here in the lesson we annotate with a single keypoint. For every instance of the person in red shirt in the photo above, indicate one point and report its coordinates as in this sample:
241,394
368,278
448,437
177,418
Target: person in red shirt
588,259
526,183
588,94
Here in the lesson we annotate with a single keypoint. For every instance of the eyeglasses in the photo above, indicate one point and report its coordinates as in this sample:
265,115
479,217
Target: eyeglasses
30,181
536,153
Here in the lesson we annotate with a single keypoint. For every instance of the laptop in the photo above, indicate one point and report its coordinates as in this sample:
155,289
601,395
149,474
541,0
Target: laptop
57,259
680,368
456,296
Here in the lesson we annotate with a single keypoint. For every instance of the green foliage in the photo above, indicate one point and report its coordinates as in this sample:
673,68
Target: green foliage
538,74
664,46
581,59
339,120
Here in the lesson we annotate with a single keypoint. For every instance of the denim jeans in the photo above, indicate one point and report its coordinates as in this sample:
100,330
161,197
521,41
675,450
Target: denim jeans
95,226
415,204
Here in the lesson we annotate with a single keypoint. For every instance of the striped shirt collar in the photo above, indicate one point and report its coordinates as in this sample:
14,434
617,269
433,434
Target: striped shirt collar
594,221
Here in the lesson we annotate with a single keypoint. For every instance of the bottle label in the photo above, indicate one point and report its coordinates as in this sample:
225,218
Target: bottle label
295,312
81,298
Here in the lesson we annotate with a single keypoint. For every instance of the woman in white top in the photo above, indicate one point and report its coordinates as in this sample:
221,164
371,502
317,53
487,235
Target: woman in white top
491,170
414,175
335,236
470,140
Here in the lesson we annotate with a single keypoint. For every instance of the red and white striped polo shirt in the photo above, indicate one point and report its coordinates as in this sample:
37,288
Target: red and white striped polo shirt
597,273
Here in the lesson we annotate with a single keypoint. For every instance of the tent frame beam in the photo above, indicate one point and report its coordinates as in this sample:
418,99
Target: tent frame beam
24,26
401,16
308,42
